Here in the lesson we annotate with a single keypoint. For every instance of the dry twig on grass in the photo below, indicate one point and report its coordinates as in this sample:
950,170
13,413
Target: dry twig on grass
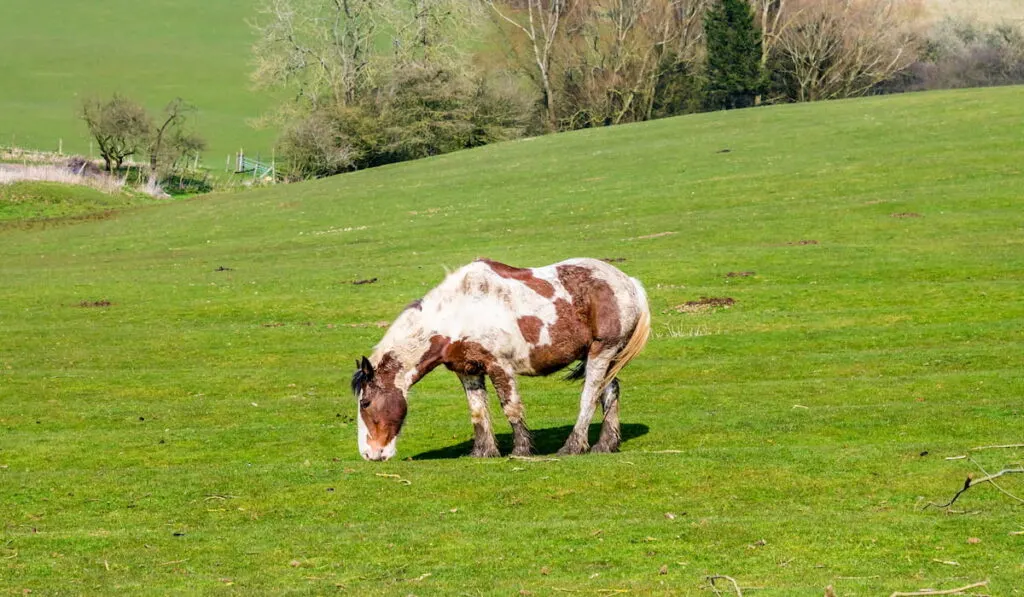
735,585
923,592
997,447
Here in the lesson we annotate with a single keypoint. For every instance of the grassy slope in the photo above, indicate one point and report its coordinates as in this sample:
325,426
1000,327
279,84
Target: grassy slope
38,203
52,54
197,434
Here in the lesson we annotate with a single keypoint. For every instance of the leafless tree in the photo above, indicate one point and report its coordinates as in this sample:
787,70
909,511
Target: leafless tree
324,49
842,48
170,140
430,30
612,52
539,21
120,126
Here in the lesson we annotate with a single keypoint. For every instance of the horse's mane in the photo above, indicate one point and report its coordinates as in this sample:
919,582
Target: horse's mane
359,380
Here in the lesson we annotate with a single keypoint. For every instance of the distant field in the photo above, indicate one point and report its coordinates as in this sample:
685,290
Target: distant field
52,54
175,415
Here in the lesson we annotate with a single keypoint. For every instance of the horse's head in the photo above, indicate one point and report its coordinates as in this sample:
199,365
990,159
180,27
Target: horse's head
382,407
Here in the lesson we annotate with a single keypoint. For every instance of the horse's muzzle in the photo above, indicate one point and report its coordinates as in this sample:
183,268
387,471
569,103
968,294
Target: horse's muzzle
377,455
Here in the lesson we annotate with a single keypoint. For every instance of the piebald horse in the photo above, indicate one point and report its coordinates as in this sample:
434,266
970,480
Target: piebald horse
491,319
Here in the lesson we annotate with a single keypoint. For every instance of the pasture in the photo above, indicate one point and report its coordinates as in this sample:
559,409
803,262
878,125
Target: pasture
54,54
176,415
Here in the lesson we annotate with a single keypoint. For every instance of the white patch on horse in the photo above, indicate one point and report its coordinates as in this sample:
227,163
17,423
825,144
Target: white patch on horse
363,434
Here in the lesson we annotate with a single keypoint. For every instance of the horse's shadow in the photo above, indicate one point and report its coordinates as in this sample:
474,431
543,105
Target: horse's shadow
545,441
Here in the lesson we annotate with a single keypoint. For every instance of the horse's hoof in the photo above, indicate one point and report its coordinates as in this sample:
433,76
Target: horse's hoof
572,449
522,451
488,453
600,448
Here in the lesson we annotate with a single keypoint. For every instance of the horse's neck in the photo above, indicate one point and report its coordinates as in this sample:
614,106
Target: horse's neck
406,341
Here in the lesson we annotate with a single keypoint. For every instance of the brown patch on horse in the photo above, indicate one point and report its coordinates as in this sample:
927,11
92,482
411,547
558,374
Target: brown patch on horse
593,316
594,299
416,304
467,357
524,275
387,408
470,358
530,326
432,357
570,338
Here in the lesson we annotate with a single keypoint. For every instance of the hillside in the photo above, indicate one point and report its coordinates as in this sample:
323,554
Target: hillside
53,54
174,378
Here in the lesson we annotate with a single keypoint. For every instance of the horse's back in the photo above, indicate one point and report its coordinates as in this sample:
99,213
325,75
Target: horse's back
539,320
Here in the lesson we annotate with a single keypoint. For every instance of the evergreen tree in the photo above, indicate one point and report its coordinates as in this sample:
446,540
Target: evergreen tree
735,76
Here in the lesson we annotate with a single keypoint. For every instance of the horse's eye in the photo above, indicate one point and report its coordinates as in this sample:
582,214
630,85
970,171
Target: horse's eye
364,403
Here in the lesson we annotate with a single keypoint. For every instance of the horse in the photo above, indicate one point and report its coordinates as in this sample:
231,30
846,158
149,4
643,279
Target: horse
494,320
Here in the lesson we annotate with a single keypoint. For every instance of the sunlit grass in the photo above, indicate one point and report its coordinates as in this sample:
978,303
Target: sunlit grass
196,434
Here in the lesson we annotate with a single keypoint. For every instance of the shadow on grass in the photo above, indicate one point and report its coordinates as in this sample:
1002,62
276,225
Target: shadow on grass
545,441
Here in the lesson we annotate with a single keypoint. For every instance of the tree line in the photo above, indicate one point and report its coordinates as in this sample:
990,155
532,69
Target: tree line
371,82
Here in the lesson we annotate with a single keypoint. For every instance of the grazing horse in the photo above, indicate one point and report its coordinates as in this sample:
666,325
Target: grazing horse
488,318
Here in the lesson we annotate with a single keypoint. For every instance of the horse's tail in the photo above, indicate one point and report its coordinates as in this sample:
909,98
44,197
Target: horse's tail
637,341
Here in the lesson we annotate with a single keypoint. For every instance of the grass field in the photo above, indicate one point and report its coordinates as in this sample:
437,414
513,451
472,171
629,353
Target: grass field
52,54
28,204
175,414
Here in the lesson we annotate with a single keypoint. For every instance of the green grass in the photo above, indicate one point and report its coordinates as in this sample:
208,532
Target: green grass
197,436
54,54
39,203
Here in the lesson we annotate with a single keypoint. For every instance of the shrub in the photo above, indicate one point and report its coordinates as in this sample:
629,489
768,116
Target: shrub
966,54
422,110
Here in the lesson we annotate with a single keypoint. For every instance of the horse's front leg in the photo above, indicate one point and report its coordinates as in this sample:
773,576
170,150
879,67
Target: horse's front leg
484,444
505,385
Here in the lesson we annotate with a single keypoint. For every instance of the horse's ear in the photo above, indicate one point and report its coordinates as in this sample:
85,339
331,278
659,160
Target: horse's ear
362,376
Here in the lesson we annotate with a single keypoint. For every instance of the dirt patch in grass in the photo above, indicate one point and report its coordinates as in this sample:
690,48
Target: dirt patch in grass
90,304
740,274
366,281
906,214
613,259
705,304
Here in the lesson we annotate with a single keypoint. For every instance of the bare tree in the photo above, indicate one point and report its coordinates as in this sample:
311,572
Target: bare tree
430,30
613,51
324,49
120,126
540,22
842,48
170,141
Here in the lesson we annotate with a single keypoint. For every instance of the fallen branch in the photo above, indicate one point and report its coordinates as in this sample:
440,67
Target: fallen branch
1001,490
711,580
983,583
969,483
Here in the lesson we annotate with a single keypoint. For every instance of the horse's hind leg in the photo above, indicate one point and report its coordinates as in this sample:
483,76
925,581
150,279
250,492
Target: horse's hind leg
483,436
597,367
610,435
505,385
